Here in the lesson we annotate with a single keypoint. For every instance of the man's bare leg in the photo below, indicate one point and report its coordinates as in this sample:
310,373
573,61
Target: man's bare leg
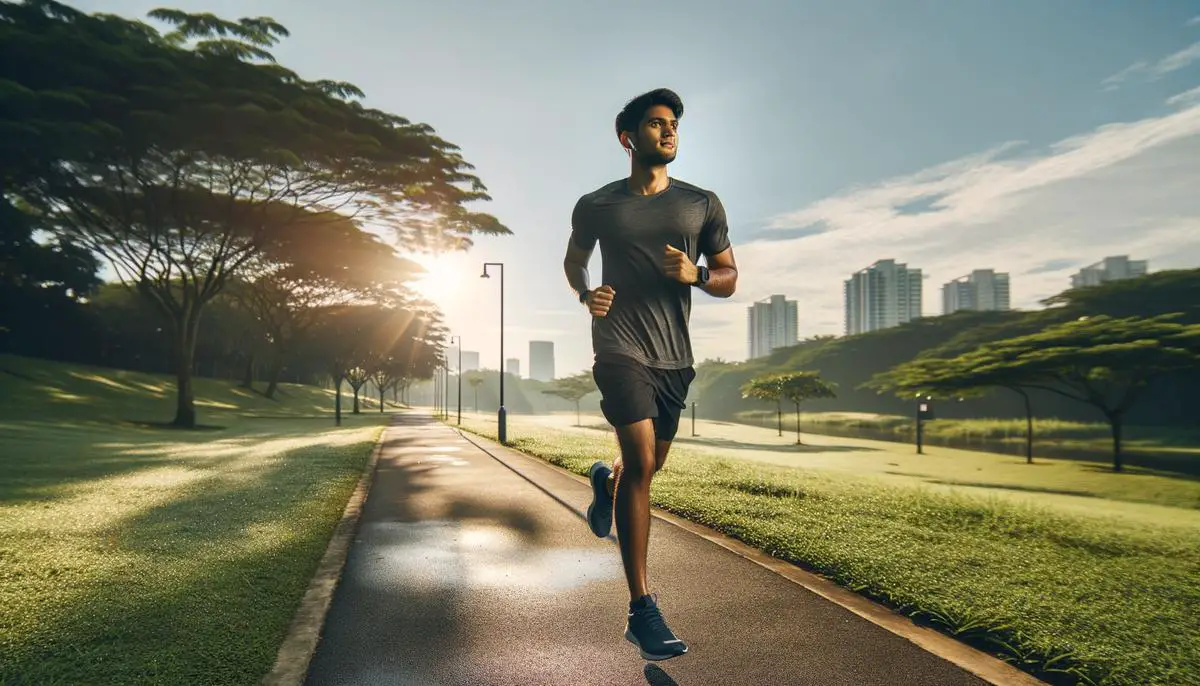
631,513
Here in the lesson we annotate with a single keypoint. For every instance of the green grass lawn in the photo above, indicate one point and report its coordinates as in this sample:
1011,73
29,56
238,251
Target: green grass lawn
1074,598
136,554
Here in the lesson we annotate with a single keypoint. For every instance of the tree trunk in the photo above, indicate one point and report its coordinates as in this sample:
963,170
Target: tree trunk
273,373
1115,421
337,398
380,399
356,410
578,421
476,400
1028,428
185,357
779,416
798,424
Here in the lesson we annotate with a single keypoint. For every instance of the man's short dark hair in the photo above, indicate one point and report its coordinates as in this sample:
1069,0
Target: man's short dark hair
631,116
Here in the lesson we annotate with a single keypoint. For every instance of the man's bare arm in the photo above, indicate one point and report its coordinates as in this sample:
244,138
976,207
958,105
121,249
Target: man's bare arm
722,274
575,266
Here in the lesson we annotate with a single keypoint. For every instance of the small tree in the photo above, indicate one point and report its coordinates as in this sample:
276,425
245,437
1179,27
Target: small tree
767,387
794,387
475,380
573,388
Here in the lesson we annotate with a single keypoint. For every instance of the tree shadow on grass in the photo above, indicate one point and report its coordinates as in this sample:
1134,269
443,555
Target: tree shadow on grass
205,596
44,461
803,448
1134,471
1009,487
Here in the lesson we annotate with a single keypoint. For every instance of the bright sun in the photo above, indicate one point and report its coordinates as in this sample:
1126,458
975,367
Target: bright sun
443,278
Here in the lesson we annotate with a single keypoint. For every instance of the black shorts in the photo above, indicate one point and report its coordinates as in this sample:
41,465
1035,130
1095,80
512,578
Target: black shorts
631,391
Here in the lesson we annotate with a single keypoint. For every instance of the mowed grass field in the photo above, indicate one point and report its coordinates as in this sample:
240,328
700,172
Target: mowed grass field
133,553
1080,594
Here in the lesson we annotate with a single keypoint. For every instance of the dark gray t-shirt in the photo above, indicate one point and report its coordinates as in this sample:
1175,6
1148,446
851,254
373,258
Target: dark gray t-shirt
648,320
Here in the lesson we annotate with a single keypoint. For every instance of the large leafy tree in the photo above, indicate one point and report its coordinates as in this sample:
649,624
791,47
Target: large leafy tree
966,375
573,389
1103,361
794,387
180,156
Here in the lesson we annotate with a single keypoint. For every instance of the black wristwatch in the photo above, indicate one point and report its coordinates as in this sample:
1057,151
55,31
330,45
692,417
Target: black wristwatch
583,297
701,276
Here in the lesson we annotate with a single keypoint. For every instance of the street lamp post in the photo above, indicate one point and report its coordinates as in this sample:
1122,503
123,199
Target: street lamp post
446,390
924,411
502,414
459,370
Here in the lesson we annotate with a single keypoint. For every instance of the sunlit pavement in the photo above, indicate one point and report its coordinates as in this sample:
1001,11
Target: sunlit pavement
466,572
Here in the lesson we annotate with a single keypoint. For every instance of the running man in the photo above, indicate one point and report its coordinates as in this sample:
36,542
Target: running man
652,230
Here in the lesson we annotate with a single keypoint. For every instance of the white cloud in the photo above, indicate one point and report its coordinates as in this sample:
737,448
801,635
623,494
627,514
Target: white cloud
1178,60
1114,82
1124,188
1185,98
1194,21
1173,62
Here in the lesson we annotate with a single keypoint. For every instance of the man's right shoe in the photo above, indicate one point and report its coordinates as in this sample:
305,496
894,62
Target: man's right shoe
600,512
648,631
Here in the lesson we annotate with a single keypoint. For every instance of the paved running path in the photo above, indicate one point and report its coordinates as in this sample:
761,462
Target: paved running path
465,572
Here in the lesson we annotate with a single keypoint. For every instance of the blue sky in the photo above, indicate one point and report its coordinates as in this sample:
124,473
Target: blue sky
1027,136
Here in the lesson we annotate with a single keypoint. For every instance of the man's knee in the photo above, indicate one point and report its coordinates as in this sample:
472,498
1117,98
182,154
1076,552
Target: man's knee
637,448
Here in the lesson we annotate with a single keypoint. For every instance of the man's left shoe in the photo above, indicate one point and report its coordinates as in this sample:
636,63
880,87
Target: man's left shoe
648,631
600,512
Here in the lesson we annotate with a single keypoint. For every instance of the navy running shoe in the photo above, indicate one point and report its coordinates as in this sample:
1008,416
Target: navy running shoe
600,512
647,630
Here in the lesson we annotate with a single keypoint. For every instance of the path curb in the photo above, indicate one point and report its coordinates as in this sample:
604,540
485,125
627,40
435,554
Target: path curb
304,633
987,667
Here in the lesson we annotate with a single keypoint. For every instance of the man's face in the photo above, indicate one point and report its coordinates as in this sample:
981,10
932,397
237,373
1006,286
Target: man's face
657,137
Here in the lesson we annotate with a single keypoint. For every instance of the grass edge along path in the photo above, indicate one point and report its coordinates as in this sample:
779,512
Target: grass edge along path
1038,621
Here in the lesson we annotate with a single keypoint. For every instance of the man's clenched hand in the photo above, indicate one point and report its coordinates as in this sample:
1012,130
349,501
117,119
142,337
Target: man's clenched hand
677,266
599,300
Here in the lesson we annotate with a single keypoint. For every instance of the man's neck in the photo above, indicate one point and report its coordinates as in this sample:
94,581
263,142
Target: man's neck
648,180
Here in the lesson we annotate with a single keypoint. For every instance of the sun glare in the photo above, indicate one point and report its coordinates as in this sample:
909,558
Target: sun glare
443,277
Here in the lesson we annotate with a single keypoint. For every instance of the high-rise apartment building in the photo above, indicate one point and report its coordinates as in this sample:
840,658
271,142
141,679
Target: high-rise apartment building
982,289
1109,269
881,296
513,366
470,360
541,360
772,324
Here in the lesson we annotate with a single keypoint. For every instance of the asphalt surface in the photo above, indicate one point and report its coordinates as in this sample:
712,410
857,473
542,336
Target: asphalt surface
466,572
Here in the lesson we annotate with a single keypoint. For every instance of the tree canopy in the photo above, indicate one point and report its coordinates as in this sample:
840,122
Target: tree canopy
181,157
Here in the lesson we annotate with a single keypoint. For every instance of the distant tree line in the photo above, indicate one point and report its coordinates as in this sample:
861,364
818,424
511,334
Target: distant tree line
1123,353
225,192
